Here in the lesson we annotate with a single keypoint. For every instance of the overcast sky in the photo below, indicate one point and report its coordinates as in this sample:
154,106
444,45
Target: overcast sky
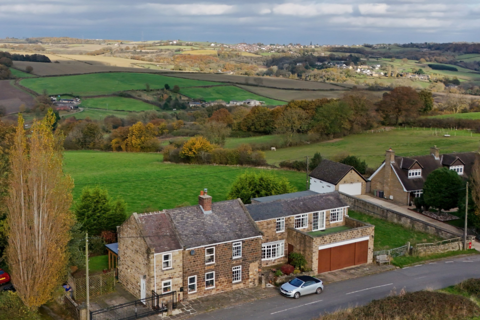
267,21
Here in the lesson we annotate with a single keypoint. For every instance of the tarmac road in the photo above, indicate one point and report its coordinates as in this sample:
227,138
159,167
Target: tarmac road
360,291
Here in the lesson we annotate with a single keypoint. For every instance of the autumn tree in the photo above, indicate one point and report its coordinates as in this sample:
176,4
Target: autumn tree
291,122
216,132
260,120
427,99
194,147
363,115
86,135
333,118
7,132
39,217
142,137
474,195
223,116
399,104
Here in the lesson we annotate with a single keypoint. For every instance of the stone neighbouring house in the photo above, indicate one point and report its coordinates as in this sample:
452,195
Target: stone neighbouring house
401,179
196,251
331,176
315,225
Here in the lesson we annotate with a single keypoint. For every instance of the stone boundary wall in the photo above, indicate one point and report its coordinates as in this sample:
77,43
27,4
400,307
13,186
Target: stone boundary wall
422,250
395,217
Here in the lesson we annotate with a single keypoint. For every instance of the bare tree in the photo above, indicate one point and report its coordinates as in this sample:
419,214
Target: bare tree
39,217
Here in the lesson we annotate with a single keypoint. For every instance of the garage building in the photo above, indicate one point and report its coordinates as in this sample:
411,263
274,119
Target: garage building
331,176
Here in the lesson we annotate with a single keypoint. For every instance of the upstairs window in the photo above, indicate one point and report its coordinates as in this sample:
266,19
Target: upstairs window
457,169
167,261
301,221
237,250
280,226
209,255
414,173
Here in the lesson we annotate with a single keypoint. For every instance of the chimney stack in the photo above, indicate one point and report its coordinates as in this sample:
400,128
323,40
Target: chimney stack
435,152
389,156
205,201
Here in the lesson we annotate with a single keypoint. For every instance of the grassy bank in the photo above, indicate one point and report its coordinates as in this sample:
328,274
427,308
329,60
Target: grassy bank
409,260
117,103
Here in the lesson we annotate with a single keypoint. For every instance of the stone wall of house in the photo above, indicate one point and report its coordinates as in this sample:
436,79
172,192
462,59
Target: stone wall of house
175,274
194,265
391,186
308,245
268,228
395,217
135,258
352,177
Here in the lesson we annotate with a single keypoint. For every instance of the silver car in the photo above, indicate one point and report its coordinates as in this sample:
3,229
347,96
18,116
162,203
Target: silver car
301,286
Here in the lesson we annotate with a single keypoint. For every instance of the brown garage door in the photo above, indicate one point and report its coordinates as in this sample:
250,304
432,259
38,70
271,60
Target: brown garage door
342,256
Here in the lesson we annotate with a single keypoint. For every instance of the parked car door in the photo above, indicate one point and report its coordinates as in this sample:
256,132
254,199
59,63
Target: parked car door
308,287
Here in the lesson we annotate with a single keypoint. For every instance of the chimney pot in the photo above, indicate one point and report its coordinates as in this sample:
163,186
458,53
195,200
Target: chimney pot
201,193
205,202
435,152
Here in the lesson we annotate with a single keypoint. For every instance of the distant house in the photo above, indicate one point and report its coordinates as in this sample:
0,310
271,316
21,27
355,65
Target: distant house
194,104
331,176
248,102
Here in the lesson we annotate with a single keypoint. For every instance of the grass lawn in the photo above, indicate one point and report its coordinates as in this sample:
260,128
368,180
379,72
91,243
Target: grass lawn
371,146
144,181
233,143
469,115
408,260
328,231
117,103
20,74
106,83
94,114
226,93
98,263
390,235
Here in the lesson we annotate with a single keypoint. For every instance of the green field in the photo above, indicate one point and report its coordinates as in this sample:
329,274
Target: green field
470,57
106,83
226,93
469,115
233,143
94,114
371,146
146,183
20,74
117,103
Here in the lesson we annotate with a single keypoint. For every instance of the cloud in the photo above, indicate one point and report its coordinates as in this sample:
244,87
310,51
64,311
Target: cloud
373,8
310,10
190,9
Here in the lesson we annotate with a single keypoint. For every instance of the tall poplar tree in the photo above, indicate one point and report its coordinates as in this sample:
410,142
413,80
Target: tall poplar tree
39,217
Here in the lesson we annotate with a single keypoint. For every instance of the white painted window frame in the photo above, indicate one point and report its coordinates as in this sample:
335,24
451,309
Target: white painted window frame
208,255
280,250
236,245
163,286
170,261
417,193
237,270
458,169
414,173
303,217
318,220
213,279
339,212
188,284
281,222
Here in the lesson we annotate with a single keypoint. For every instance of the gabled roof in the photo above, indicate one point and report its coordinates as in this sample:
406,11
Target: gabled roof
158,232
332,172
284,196
293,206
228,221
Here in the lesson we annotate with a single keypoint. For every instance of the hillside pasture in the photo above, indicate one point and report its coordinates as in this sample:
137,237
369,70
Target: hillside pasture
20,74
469,115
117,103
93,114
106,83
148,184
226,93
201,52
371,146
12,97
470,57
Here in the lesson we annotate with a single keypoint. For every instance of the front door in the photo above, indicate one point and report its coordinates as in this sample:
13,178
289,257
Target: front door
143,289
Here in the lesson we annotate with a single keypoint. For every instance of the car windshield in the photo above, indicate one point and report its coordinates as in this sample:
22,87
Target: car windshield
296,282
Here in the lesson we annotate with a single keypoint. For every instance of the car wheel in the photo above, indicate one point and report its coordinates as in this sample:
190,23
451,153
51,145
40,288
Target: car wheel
296,295
319,290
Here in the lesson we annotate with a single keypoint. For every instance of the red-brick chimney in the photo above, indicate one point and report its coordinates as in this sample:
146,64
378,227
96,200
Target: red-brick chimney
205,201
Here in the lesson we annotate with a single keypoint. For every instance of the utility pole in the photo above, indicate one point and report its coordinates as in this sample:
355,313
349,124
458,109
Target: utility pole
466,219
306,170
87,279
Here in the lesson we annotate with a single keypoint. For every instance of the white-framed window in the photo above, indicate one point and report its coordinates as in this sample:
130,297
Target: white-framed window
210,255
280,225
414,173
237,274
418,193
166,286
236,250
301,221
273,250
318,221
457,169
192,284
210,280
167,261
336,215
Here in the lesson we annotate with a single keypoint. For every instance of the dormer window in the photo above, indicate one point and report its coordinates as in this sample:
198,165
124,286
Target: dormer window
414,173
457,169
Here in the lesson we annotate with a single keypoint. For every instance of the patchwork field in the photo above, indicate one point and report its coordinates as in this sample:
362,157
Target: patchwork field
117,103
12,97
469,115
94,114
20,74
233,143
146,183
106,83
226,93
371,146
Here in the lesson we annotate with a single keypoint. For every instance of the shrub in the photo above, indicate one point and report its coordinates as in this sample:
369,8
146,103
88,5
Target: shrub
287,269
297,260
29,69
278,273
442,67
470,286
12,307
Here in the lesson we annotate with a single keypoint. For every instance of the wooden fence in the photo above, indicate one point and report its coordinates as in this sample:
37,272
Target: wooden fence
101,283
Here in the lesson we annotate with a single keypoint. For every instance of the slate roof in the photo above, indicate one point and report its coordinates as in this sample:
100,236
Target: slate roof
293,206
331,171
284,196
113,247
428,164
228,221
158,232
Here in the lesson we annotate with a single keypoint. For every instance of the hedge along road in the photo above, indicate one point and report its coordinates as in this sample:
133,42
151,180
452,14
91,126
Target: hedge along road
356,292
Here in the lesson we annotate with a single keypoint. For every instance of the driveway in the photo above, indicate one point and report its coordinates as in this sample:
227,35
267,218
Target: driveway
434,275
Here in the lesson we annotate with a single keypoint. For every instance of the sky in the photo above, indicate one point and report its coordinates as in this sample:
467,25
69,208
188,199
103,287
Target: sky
266,21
